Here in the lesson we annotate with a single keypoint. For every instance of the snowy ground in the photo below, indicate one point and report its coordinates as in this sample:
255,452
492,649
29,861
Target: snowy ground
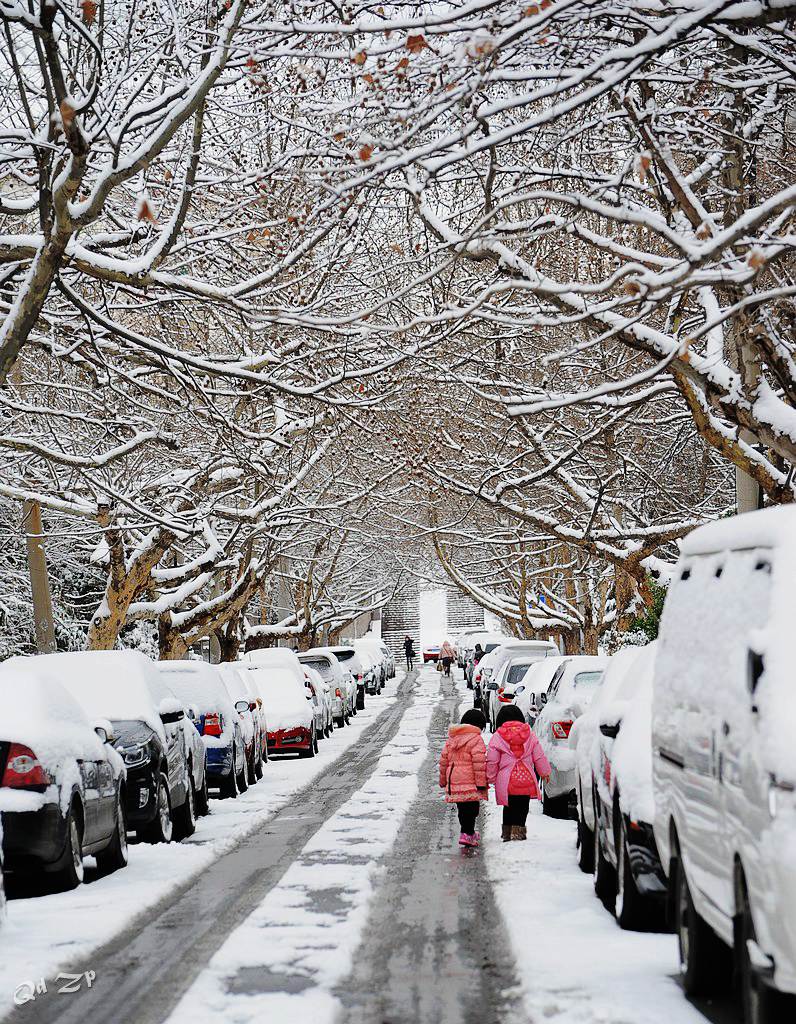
286,958
43,934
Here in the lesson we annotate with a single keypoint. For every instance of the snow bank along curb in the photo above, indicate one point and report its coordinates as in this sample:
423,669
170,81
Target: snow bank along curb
301,940
43,935
575,965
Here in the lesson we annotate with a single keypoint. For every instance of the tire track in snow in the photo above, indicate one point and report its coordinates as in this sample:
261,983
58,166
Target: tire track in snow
145,969
284,961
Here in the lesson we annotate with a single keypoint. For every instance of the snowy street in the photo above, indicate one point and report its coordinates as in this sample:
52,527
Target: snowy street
336,892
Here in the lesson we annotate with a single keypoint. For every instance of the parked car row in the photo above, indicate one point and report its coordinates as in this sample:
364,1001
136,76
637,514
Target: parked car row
97,746
686,768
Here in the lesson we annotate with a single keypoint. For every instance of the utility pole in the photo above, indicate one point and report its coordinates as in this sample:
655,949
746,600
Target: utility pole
39,581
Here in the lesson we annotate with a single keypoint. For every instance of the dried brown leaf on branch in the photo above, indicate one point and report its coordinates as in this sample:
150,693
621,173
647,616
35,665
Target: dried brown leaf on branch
89,9
415,44
145,211
360,58
365,153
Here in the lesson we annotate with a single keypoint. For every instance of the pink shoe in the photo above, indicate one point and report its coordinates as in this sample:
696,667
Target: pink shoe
464,840
477,837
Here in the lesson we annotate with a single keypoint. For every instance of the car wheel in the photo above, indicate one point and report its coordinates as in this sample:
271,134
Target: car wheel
71,874
229,785
161,829
703,956
554,806
202,797
585,847
251,776
604,876
631,908
258,767
115,854
243,784
185,814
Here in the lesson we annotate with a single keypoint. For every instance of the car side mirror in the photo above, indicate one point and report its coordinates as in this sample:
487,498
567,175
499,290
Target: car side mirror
491,686
243,705
102,734
170,710
611,731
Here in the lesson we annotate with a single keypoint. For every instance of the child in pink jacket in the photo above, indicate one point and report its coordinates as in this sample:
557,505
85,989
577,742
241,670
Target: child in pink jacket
513,760
462,772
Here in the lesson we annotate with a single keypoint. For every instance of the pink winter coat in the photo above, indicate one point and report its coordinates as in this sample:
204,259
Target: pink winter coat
462,766
501,759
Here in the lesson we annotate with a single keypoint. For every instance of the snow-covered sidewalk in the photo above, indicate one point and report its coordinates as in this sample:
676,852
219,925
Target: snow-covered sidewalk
284,961
42,935
575,964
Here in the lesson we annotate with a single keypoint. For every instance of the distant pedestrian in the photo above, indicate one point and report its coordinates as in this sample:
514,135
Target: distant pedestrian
446,655
513,761
409,651
462,773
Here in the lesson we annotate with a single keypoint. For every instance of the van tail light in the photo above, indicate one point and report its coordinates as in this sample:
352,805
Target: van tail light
214,723
23,769
561,729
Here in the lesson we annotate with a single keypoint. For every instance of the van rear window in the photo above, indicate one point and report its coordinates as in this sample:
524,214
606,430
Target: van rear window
587,680
344,655
321,666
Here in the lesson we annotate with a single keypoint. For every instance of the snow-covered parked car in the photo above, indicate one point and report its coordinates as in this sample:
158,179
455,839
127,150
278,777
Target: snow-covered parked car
215,719
351,662
371,670
569,694
245,701
507,683
146,719
584,738
291,721
628,875
319,695
724,758
332,672
380,661
484,678
534,683
62,785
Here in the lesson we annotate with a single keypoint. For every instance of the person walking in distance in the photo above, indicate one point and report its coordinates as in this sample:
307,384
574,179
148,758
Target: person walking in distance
513,761
409,651
446,655
462,773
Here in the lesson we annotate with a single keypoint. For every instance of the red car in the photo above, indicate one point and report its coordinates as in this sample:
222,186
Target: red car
431,654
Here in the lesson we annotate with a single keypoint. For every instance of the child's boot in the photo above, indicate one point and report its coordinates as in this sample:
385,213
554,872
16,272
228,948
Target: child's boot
464,839
519,832
506,833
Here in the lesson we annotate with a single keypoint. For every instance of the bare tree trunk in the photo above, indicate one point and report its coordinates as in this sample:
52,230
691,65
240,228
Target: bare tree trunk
39,580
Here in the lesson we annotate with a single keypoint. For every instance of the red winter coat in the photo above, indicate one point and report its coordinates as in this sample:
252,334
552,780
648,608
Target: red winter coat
462,767
515,757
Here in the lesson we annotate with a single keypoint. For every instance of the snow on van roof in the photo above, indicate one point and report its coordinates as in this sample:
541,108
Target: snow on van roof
118,685
40,713
769,527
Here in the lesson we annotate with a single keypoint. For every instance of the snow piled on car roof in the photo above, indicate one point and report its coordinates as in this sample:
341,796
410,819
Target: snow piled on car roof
38,712
118,685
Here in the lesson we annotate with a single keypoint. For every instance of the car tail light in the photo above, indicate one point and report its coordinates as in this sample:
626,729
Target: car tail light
214,723
252,706
503,697
360,677
23,769
338,693
561,729
478,677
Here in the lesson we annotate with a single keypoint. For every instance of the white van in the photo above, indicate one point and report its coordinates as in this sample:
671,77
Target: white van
724,764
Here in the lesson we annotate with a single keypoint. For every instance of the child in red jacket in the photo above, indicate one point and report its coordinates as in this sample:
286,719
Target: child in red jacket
462,772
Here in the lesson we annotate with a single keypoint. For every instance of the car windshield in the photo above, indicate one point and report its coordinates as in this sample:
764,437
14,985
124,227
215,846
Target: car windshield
516,673
129,731
321,666
490,647
587,680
